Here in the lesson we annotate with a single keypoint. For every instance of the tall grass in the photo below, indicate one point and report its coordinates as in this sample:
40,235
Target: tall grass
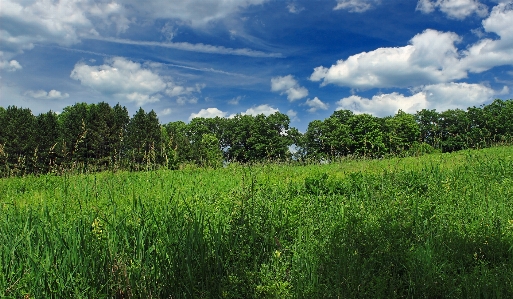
438,226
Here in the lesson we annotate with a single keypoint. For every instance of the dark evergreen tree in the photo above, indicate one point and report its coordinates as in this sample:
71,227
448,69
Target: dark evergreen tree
178,144
74,131
144,139
47,138
121,119
19,146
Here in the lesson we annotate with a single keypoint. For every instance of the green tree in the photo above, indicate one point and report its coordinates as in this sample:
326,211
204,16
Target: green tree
498,120
144,139
72,122
19,134
429,126
478,135
316,140
121,119
3,141
403,132
238,149
367,135
47,139
454,125
338,133
177,144
269,139
210,154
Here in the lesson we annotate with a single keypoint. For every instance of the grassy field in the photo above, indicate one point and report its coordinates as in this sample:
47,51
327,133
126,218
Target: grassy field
437,226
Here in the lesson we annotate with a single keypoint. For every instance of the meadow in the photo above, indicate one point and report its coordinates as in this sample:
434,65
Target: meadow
435,226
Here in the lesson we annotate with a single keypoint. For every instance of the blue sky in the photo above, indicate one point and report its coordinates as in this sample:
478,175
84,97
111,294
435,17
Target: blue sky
211,58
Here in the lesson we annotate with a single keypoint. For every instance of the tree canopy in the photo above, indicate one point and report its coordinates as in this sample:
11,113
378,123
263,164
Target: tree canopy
98,136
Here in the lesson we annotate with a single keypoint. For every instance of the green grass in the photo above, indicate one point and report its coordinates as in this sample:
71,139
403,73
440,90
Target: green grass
437,226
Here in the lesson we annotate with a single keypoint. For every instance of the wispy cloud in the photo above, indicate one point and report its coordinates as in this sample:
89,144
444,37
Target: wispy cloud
184,46
168,64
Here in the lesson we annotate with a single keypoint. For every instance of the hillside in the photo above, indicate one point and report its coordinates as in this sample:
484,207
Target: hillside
436,226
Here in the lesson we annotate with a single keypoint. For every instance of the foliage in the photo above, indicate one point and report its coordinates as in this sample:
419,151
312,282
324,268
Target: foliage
95,137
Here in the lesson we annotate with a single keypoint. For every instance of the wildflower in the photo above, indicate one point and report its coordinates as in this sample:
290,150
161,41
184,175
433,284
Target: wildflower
97,228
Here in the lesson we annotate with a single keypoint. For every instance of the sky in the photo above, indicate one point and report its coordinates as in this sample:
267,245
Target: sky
208,58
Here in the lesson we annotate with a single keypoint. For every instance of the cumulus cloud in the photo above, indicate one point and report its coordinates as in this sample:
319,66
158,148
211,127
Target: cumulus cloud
208,113
441,97
455,9
51,95
262,109
214,112
288,85
10,66
315,105
488,53
121,78
431,57
356,5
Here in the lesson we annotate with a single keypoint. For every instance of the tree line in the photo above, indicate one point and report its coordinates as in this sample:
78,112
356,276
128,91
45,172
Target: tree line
94,137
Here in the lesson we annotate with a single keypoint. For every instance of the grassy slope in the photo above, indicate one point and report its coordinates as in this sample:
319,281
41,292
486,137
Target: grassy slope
435,226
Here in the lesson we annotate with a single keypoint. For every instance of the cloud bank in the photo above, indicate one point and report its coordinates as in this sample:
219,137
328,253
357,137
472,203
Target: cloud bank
132,82
439,96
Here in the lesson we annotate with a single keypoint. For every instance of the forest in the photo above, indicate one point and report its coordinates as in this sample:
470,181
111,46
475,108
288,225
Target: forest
95,137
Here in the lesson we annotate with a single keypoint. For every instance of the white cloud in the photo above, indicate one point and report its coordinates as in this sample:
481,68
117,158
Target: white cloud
165,112
122,78
315,105
214,112
292,115
200,48
488,53
288,85
294,8
174,90
431,57
208,113
196,13
235,101
262,109
438,96
10,66
67,22
51,95
63,22
456,9
356,5
186,100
